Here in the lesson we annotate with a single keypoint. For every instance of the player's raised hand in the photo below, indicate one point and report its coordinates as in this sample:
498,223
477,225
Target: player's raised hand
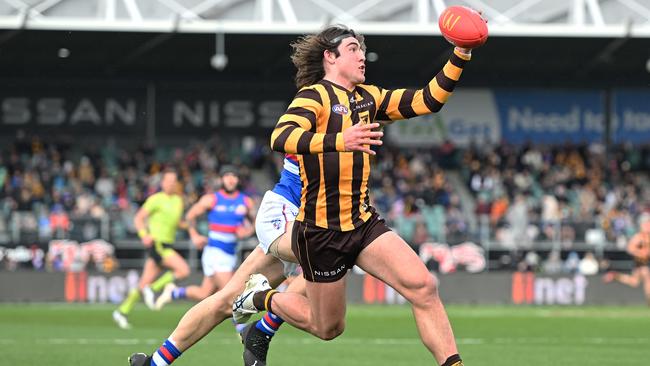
360,136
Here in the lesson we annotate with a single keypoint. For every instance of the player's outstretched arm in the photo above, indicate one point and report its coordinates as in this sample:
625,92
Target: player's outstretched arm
400,104
294,132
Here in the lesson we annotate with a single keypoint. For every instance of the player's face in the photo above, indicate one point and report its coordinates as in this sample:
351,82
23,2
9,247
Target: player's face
168,184
351,63
229,182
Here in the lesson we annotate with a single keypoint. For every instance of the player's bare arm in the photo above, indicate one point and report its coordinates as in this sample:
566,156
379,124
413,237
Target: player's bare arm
140,222
205,202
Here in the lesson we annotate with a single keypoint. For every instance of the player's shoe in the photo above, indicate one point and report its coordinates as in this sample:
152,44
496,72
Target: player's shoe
139,359
243,308
166,296
149,298
256,345
121,320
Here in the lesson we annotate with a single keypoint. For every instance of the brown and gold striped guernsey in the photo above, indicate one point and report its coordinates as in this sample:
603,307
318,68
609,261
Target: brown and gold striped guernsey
644,244
334,182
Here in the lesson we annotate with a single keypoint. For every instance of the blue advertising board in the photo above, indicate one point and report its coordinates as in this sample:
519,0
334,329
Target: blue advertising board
631,111
550,116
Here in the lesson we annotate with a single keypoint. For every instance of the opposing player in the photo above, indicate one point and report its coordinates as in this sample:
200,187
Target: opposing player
157,221
274,220
330,124
639,248
230,217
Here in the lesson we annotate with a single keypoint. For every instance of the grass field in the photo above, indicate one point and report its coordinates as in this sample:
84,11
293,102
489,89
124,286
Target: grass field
64,335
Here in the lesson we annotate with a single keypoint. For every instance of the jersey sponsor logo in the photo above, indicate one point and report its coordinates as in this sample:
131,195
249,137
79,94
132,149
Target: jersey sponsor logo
340,109
330,273
237,209
363,105
240,210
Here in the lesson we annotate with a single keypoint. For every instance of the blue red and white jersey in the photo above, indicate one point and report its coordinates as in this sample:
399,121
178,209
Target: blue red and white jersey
289,185
227,214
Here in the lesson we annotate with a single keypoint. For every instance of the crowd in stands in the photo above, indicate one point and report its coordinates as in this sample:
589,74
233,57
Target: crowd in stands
562,194
514,196
46,185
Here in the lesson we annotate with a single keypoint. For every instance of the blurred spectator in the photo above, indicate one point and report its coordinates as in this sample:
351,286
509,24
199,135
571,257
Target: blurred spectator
572,263
553,264
530,263
59,222
517,218
588,265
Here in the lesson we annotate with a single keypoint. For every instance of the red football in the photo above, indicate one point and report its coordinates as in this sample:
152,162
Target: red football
462,26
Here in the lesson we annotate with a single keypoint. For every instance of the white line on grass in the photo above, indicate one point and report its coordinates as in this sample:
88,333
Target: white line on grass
343,341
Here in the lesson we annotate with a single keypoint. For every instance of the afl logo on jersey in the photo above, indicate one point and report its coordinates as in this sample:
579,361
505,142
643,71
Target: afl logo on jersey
340,109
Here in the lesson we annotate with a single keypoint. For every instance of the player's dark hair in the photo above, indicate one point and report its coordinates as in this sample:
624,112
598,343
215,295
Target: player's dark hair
170,169
308,51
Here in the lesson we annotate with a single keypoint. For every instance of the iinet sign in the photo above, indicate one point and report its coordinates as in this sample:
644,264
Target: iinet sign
529,289
101,288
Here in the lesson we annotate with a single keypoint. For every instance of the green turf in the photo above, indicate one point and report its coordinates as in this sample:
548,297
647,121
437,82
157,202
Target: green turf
64,335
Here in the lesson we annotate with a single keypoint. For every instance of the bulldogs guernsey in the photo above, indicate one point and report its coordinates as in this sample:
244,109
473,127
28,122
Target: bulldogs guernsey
226,215
289,185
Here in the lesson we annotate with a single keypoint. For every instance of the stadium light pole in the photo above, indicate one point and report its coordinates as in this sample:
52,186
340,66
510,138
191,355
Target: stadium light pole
219,60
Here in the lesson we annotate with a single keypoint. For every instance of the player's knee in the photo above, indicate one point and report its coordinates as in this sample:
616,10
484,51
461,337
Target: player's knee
220,305
330,332
422,290
182,272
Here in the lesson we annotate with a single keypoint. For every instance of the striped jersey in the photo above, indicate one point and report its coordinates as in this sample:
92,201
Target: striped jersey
228,212
289,185
334,191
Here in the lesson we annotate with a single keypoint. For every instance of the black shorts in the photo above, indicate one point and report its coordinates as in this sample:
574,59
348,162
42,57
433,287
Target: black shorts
326,255
159,250
640,262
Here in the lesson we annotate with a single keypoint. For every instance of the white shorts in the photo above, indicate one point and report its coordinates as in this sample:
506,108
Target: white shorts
216,260
273,216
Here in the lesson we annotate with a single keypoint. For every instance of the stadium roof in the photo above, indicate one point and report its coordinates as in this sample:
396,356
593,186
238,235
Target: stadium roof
532,43
530,18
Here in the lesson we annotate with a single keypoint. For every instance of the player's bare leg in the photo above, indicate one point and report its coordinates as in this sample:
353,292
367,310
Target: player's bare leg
632,280
204,316
321,312
149,273
213,310
391,260
209,286
257,336
645,276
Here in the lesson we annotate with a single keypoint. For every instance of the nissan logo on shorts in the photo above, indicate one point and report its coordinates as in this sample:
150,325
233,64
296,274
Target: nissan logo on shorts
340,109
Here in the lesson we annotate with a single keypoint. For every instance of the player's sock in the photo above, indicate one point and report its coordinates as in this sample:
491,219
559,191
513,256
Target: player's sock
166,278
269,323
262,299
238,327
453,360
131,300
166,354
179,293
